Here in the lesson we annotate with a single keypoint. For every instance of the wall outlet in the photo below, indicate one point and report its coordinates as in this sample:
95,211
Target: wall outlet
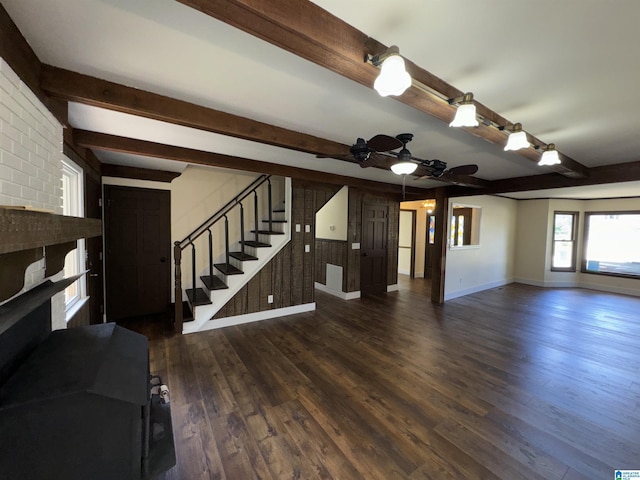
307,248
270,299
297,227
307,228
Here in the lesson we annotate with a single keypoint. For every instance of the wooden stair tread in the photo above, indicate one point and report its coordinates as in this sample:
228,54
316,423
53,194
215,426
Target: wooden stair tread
228,269
213,282
267,232
254,244
242,256
199,297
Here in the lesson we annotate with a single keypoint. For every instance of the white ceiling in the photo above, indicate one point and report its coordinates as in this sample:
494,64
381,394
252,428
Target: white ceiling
565,70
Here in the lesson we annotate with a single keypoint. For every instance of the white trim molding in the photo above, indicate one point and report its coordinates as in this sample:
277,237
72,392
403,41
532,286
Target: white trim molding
337,293
248,318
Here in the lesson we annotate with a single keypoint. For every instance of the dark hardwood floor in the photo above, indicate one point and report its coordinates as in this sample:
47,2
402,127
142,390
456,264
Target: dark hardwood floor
516,382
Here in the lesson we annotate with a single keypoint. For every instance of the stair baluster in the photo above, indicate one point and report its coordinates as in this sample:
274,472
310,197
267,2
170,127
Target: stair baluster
243,254
226,240
193,270
255,215
210,253
270,206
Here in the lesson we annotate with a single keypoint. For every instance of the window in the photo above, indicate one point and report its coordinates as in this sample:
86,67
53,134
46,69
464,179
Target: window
465,225
611,243
563,256
72,204
432,229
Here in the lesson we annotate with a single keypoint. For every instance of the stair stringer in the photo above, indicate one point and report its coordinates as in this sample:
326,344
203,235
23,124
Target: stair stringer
203,314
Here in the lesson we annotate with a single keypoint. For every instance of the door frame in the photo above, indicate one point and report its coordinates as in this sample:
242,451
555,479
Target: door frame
412,268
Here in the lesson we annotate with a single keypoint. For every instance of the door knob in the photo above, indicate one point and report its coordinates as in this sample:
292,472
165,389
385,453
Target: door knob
163,259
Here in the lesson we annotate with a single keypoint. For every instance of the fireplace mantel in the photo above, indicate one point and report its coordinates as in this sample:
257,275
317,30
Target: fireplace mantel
26,236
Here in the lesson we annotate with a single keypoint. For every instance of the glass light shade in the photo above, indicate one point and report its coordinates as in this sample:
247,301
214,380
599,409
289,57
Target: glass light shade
516,141
465,116
549,157
404,168
393,78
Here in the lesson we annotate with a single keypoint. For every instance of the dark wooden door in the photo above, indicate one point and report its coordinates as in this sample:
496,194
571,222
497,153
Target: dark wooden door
95,286
373,262
138,246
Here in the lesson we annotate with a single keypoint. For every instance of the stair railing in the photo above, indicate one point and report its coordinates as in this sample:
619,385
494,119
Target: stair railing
206,227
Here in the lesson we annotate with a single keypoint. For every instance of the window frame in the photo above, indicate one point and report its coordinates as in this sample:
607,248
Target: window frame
585,242
72,175
574,242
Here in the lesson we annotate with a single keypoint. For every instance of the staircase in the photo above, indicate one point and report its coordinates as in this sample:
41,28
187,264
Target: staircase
230,266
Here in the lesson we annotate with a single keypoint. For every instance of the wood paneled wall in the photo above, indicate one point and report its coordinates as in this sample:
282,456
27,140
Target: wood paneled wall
341,253
333,252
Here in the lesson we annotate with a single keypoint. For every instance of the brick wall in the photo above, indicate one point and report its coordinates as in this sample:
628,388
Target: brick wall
30,161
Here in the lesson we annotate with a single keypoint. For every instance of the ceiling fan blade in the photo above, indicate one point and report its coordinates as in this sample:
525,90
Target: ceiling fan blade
463,170
384,143
381,160
339,156
423,172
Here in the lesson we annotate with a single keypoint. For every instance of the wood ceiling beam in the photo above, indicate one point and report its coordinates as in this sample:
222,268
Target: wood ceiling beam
621,172
306,30
76,87
71,86
113,143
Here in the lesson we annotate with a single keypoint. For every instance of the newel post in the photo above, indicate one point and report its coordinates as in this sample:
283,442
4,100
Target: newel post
177,255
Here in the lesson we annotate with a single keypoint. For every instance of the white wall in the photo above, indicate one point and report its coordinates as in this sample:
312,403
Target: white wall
332,218
472,268
531,241
30,163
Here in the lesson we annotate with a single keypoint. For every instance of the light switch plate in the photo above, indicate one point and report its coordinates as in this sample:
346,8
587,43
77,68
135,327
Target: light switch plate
355,246
307,248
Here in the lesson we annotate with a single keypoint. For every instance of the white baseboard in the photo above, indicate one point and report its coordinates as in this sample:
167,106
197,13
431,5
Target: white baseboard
393,288
527,281
477,288
251,317
336,293
589,286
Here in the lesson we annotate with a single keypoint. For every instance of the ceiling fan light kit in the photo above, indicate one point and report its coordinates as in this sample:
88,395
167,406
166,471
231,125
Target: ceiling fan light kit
404,168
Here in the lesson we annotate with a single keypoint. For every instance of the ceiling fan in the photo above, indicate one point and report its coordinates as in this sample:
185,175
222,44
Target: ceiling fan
378,152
